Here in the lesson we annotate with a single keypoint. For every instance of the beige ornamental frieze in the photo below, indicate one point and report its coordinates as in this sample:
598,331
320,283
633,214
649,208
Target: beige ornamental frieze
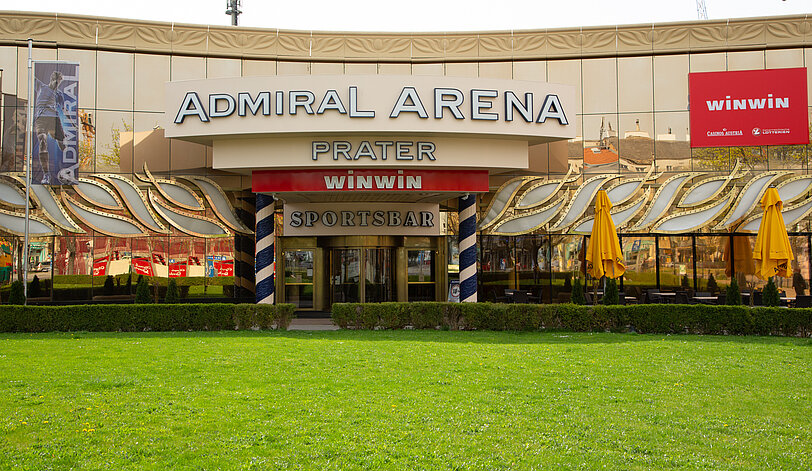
156,37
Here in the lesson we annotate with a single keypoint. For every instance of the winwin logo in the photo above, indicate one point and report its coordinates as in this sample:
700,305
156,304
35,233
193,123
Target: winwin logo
728,104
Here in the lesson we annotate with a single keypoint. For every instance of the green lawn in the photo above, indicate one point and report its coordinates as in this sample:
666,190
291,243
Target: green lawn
404,400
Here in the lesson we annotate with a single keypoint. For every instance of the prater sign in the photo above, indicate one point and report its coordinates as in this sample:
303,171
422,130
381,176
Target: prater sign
749,108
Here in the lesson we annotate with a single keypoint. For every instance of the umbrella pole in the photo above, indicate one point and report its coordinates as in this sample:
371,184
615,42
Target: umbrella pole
595,293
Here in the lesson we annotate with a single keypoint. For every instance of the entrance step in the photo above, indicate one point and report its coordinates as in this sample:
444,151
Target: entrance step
312,324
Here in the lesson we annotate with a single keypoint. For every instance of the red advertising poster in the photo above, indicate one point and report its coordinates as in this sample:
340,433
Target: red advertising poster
142,266
749,108
369,180
100,266
177,270
225,268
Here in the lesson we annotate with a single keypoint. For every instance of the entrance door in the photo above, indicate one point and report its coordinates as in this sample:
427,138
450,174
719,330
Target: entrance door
350,266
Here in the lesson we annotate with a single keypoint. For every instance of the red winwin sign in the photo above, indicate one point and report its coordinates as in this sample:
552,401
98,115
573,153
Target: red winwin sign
100,266
370,180
749,108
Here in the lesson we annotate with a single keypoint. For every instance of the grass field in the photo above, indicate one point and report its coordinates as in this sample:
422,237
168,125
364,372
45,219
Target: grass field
404,400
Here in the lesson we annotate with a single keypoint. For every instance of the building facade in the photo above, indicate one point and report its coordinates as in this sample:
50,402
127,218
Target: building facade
317,167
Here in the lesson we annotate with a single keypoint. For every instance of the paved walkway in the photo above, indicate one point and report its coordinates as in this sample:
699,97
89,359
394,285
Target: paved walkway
312,324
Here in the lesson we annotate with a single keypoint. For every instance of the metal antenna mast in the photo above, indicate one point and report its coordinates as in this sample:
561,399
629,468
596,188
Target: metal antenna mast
701,11
233,9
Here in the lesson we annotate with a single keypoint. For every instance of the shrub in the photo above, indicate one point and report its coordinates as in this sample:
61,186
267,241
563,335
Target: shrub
129,286
770,295
610,294
712,286
733,295
172,296
142,293
109,286
685,284
577,296
34,288
17,293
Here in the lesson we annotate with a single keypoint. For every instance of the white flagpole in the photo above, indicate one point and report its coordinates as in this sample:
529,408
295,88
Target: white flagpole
28,138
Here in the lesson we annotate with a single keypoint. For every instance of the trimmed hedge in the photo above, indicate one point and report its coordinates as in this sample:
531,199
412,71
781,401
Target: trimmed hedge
643,318
144,317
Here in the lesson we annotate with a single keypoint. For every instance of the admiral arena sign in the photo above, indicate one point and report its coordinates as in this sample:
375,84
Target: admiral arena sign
749,108
363,121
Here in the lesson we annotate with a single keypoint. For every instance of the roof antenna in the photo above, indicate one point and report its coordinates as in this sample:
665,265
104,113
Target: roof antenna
233,9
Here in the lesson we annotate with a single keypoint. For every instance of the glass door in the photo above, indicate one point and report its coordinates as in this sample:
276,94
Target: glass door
345,275
349,266
421,275
378,275
299,278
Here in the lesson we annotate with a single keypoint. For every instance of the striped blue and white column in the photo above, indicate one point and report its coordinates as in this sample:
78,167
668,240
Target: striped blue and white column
467,246
265,265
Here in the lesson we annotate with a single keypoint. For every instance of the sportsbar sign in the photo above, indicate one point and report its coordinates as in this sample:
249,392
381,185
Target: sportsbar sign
327,219
278,181
749,108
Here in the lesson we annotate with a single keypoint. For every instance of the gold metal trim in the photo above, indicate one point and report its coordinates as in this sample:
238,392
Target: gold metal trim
795,179
607,177
619,209
54,230
740,227
688,176
10,182
113,194
484,225
237,228
734,175
151,225
161,207
556,204
648,176
69,201
561,182
735,206
74,228
723,205
155,183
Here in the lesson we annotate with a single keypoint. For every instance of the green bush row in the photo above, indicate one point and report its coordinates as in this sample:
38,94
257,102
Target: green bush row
144,317
644,318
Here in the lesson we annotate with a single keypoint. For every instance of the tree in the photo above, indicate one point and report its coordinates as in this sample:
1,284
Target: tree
142,294
733,295
34,288
712,286
109,286
610,294
577,296
17,293
172,296
770,295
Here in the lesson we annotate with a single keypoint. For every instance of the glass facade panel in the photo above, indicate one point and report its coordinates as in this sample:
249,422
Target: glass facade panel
151,74
496,267
676,263
345,274
746,60
600,85
671,83
640,257
711,270
87,74
566,256
530,70
635,87
115,81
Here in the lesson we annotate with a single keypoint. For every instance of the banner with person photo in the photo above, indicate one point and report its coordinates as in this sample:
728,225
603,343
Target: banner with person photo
55,134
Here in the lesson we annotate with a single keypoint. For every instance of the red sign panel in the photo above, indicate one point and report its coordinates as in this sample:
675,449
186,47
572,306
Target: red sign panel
749,108
177,270
100,266
225,268
370,180
142,266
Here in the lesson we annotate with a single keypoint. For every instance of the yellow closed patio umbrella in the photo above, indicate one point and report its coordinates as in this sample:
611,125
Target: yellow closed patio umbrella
603,255
773,252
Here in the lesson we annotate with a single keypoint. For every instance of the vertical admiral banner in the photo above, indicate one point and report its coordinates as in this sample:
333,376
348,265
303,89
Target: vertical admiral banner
749,108
55,137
